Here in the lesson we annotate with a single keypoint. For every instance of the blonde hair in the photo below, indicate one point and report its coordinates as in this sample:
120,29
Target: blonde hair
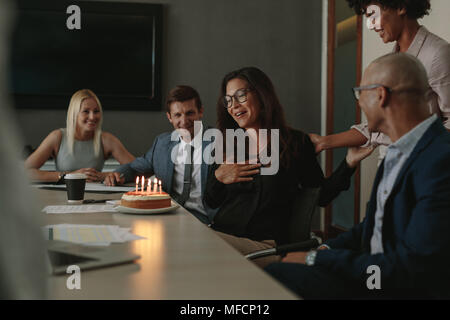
72,115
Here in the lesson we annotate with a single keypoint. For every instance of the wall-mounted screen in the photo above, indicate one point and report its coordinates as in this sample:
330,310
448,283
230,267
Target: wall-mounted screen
116,53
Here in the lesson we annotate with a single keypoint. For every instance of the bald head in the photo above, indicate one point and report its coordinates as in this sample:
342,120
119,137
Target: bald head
398,71
399,102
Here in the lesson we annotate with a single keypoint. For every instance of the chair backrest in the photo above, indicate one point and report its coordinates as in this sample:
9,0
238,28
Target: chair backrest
303,210
299,228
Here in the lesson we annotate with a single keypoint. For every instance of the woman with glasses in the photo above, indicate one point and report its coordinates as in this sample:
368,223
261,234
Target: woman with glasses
254,209
80,147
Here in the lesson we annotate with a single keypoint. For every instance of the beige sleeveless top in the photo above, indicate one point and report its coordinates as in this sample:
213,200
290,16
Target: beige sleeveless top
83,155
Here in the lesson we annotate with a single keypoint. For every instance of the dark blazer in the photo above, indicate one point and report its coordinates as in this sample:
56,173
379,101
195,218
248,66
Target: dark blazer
416,226
261,209
158,161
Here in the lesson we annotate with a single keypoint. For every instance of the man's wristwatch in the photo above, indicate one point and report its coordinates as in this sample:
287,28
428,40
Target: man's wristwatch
311,258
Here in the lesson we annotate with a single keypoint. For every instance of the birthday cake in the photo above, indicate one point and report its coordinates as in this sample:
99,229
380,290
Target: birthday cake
145,200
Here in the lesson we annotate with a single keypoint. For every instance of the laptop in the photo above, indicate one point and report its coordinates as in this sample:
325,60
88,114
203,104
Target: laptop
63,254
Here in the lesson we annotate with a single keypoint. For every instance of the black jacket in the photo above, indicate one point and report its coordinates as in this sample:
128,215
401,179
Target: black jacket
261,209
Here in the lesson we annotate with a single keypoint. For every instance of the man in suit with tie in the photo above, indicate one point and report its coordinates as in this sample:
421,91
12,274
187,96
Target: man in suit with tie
176,157
402,248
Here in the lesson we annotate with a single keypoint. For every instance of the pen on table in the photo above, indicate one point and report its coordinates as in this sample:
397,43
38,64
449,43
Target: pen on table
96,201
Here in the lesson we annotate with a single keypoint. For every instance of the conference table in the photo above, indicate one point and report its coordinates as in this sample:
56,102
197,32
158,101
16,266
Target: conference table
181,258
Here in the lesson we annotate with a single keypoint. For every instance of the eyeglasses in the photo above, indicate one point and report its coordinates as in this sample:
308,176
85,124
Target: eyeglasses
240,95
357,90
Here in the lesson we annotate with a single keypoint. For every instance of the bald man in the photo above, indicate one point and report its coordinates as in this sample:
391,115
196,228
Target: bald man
402,248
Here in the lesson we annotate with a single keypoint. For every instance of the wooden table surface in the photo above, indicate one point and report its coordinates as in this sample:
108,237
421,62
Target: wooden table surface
181,258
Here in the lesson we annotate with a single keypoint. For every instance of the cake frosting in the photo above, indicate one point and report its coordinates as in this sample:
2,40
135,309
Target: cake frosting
145,200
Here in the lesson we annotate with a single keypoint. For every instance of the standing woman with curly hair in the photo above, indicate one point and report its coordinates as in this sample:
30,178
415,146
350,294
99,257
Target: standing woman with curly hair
396,21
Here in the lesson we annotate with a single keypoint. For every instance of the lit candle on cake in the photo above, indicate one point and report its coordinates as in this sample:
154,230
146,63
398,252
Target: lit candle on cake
155,185
137,183
143,183
160,189
148,186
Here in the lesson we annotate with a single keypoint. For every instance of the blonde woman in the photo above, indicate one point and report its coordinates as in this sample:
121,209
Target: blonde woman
81,146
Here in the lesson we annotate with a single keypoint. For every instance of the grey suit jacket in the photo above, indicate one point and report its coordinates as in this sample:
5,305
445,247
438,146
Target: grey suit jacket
158,161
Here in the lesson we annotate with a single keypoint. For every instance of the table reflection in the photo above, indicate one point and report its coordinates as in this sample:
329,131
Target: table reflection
152,251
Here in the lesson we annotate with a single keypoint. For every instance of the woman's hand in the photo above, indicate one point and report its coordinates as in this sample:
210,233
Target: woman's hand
356,154
91,174
232,173
318,141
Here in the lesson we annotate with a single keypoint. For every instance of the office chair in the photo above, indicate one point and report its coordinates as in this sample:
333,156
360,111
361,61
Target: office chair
299,230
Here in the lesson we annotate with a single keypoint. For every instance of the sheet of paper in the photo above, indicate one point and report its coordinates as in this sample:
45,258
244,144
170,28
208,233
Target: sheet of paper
90,186
99,235
79,208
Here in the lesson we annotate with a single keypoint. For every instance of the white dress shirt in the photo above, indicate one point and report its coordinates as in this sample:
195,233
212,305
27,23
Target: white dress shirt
195,196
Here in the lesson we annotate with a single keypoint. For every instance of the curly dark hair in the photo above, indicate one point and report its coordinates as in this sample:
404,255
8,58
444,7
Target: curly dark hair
415,9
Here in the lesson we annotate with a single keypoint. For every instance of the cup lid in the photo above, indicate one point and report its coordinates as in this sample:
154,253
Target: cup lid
75,176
